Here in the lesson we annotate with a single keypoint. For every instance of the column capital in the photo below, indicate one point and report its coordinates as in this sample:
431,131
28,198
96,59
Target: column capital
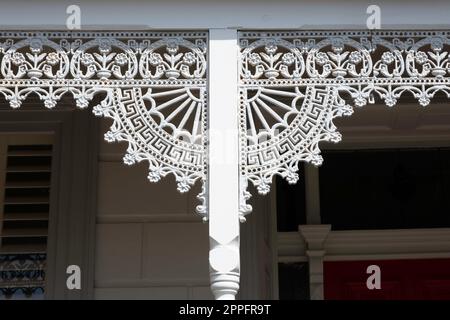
315,235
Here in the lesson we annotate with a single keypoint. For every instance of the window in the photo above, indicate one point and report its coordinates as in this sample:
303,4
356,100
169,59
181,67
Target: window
291,209
293,277
385,189
360,189
25,179
293,281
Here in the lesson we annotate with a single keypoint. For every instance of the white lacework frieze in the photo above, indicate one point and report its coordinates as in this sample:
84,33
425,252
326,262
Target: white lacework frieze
153,83
96,55
293,84
345,56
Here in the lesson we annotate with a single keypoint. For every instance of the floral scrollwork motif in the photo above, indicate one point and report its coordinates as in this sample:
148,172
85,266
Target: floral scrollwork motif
35,58
338,57
173,58
428,57
104,58
272,58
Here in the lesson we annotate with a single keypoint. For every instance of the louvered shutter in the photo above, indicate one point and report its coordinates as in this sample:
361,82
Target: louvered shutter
24,225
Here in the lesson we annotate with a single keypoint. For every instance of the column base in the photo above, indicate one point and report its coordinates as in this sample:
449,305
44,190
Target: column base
225,286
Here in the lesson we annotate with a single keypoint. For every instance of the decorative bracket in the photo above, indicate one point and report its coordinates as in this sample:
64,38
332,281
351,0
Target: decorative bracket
154,82
293,84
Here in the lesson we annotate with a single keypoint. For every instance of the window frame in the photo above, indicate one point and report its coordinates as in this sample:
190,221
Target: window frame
73,199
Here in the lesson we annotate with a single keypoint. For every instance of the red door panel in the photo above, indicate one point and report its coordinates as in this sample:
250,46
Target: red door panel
400,279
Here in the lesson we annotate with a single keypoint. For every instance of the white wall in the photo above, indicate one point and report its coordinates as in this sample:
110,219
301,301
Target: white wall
150,243
203,14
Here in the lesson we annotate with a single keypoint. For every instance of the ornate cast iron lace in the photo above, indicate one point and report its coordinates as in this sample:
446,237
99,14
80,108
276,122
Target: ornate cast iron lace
293,84
153,86
22,275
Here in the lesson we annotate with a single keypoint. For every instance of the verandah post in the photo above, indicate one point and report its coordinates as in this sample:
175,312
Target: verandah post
223,184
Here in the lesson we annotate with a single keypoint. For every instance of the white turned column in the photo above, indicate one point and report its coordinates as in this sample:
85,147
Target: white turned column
223,183
315,236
